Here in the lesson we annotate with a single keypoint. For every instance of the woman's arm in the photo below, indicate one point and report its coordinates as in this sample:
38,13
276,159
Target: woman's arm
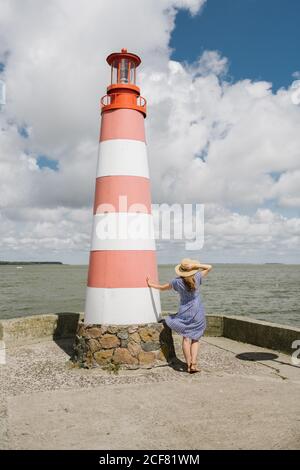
205,268
158,286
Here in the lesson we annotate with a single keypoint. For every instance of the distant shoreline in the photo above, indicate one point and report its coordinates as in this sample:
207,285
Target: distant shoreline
274,263
59,263
21,263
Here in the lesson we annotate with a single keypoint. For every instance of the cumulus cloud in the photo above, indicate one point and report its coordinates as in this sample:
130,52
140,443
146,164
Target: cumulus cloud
211,62
222,142
229,236
231,145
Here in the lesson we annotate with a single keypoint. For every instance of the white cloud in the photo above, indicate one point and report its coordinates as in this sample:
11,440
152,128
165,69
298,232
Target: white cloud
263,236
210,62
287,189
210,141
221,142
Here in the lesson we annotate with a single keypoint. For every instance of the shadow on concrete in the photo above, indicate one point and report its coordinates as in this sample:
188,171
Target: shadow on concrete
65,331
263,356
67,345
256,356
178,365
168,349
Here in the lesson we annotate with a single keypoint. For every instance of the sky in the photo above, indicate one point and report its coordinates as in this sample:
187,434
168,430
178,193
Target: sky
222,83
260,38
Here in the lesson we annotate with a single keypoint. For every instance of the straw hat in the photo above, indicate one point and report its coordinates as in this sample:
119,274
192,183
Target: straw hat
183,269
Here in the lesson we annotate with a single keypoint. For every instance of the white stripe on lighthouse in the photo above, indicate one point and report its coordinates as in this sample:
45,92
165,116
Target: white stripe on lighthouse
123,231
122,157
120,306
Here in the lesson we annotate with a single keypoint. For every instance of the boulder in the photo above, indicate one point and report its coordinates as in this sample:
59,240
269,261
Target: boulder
108,341
146,358
103,357
123,356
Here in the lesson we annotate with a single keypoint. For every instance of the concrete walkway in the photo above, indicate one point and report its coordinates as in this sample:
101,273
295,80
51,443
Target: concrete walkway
244,398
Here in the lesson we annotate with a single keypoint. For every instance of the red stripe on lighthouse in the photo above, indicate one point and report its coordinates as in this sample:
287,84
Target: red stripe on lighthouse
122,124
121,268
122,194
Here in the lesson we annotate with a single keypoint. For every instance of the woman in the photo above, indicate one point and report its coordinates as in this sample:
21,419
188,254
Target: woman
190,320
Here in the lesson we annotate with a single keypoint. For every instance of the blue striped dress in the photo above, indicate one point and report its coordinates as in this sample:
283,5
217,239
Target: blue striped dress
190,320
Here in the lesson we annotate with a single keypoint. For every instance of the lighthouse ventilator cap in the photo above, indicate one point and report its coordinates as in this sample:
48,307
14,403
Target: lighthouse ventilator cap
183,269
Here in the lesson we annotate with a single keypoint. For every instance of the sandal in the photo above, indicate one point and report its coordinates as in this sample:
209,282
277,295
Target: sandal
193,368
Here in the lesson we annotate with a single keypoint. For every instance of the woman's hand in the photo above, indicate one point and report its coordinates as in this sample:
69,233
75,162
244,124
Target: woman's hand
157,286
149,283
205,269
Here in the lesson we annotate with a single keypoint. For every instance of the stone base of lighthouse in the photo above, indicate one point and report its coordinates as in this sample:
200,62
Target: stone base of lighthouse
124,346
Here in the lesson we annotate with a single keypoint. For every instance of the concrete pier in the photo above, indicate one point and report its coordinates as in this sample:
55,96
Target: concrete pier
246,397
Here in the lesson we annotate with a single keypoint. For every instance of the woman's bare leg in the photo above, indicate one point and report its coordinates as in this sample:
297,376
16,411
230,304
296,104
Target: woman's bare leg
186,348
194,354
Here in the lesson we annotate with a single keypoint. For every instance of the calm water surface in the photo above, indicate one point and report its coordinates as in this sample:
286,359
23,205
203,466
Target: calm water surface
266,292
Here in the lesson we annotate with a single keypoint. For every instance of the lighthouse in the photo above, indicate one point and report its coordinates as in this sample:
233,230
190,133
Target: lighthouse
123,251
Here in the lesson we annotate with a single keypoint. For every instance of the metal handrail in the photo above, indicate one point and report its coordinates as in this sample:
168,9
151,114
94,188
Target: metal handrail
107,99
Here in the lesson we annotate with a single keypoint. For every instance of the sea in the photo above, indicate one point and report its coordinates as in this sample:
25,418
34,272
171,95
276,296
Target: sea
268,292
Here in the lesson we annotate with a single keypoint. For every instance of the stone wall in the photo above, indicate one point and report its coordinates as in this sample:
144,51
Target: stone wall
214,325
125,346
44,327
261,333
36,328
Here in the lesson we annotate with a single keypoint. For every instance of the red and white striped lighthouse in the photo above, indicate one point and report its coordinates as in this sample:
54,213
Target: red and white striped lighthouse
123,246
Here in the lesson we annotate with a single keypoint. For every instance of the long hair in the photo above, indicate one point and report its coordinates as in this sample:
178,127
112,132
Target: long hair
189,282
